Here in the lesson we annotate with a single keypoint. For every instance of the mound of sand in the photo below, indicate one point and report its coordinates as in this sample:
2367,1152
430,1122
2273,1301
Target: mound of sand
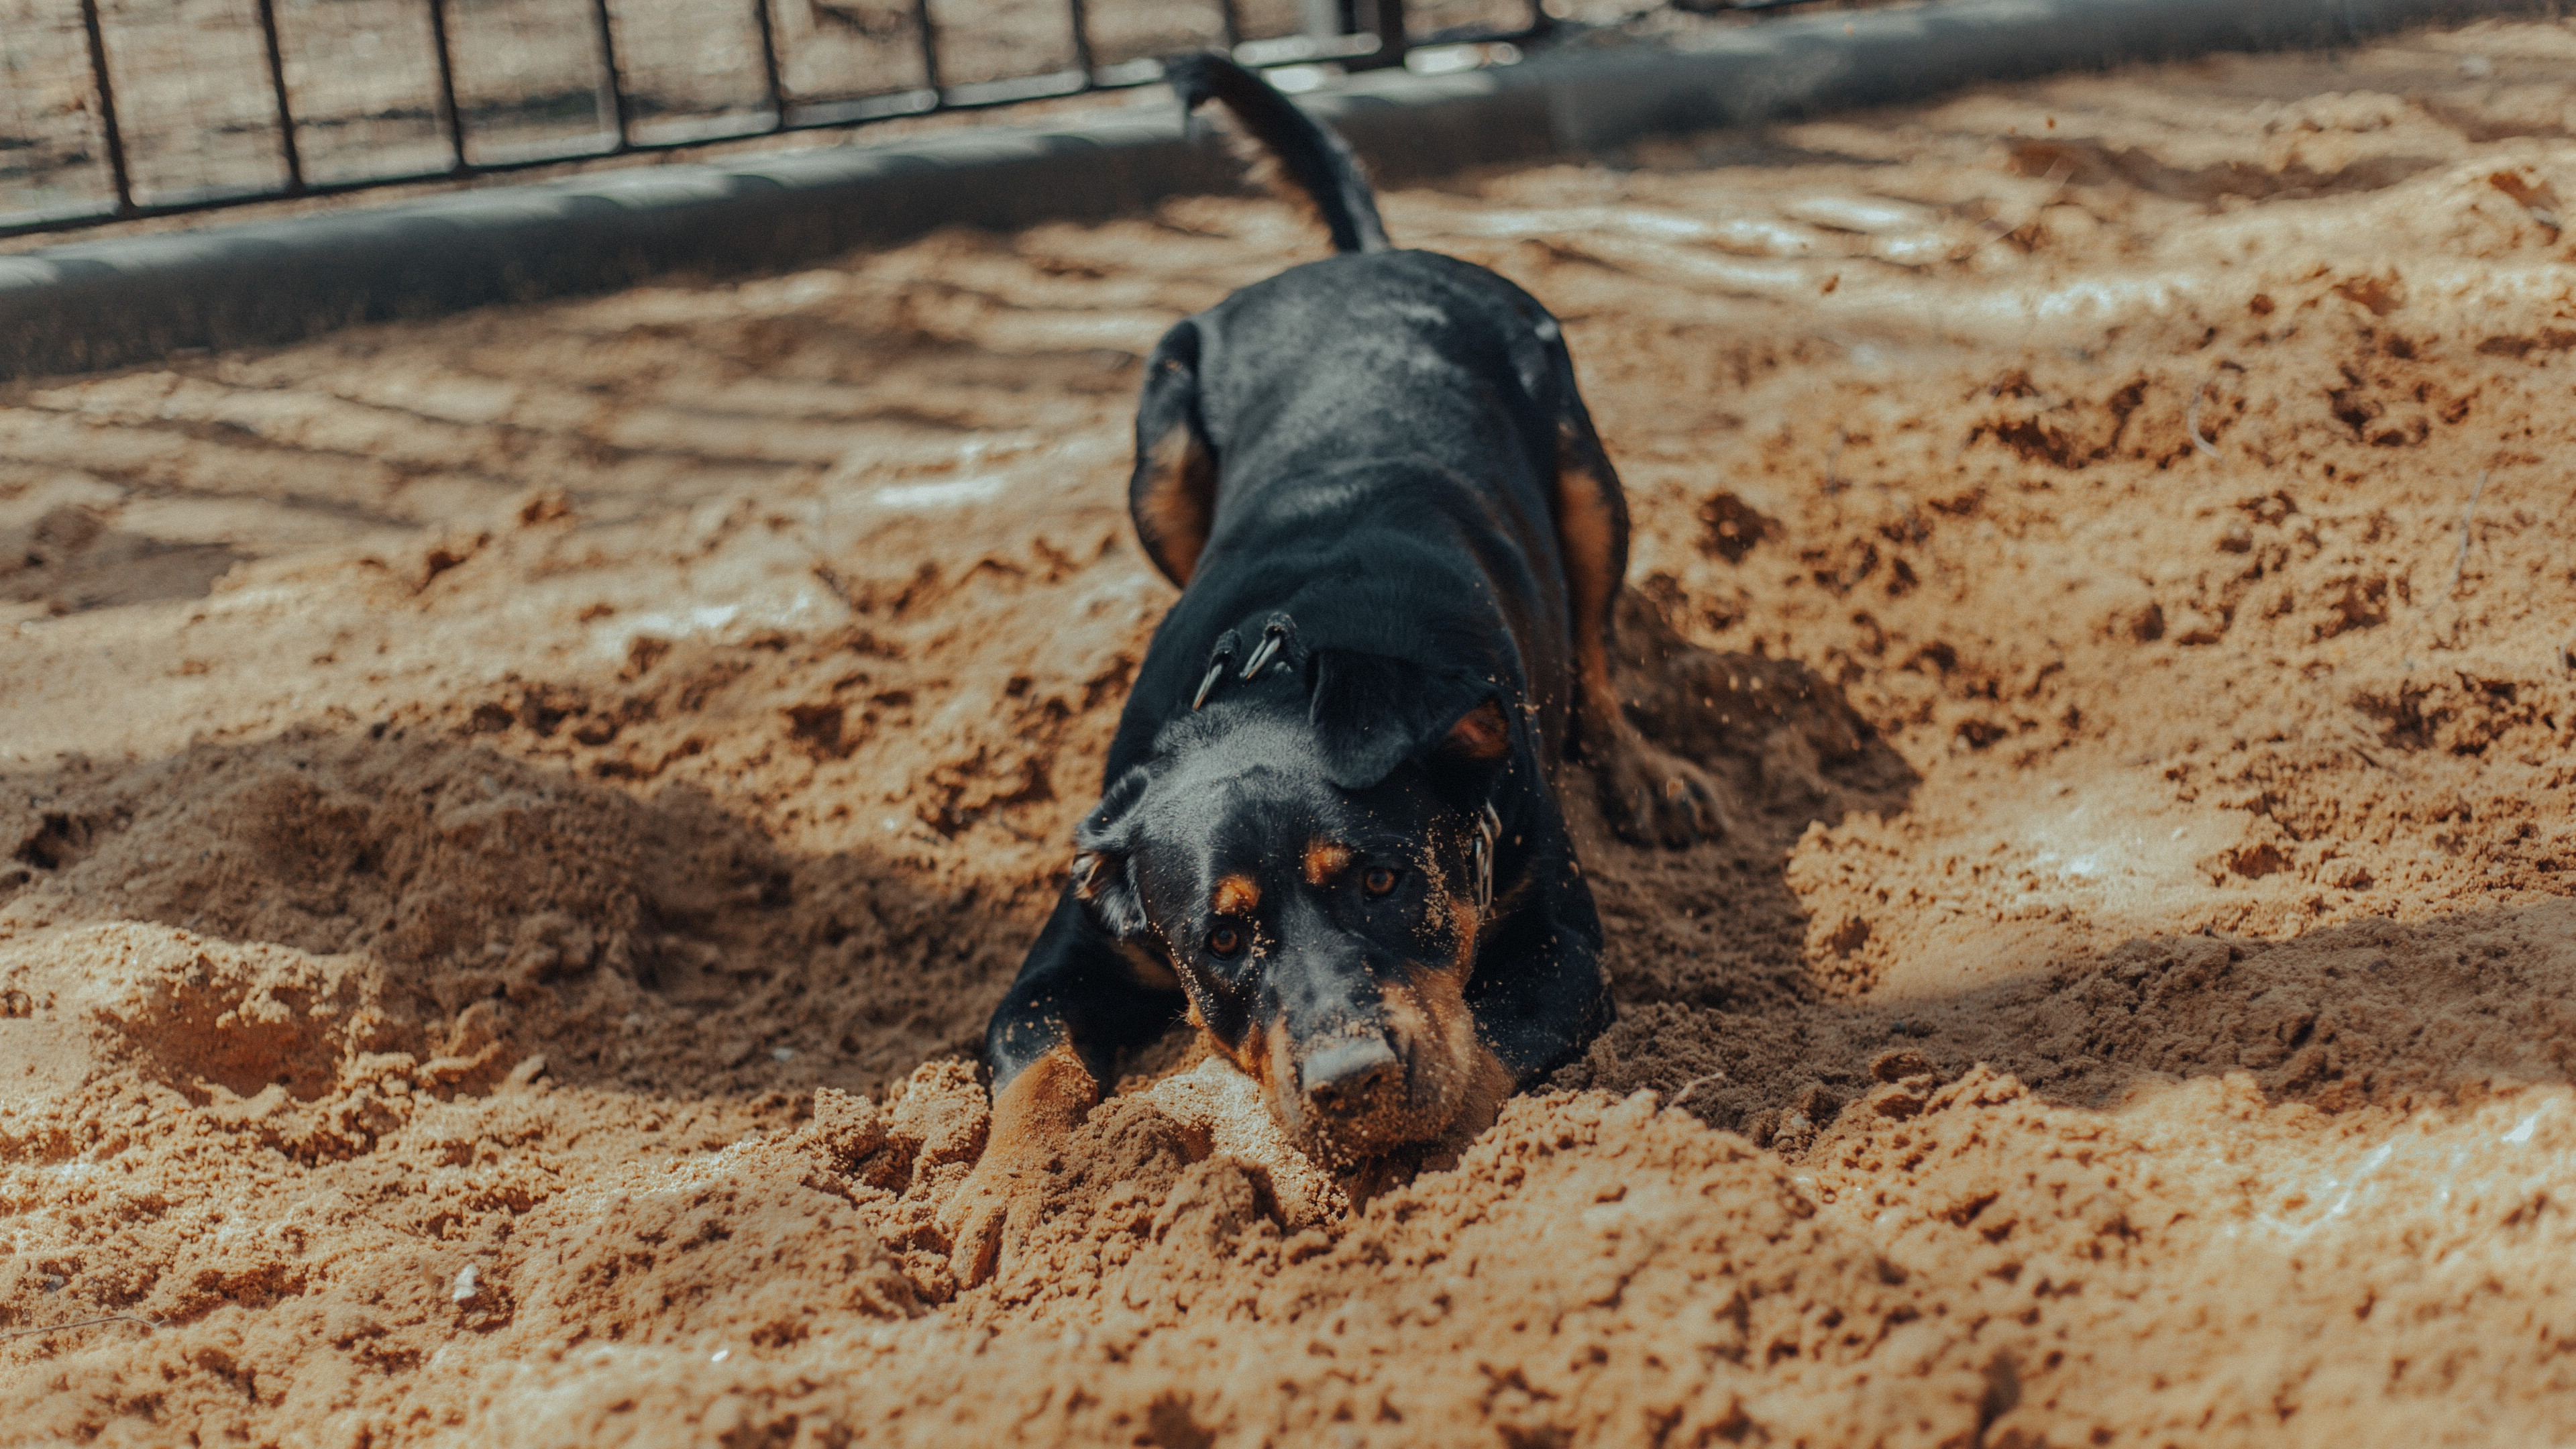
510,829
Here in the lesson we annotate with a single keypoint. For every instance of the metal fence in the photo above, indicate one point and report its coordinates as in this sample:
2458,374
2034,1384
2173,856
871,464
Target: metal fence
117,109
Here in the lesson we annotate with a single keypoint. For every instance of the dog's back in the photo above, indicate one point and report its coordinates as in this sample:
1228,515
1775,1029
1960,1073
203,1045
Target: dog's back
1377,435
1294,372
1413,522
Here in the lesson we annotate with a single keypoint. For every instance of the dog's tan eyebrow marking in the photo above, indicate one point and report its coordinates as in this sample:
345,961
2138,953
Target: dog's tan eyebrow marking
1237,895
1326,859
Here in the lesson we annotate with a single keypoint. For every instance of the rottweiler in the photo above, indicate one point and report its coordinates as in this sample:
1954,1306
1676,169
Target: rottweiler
1330,835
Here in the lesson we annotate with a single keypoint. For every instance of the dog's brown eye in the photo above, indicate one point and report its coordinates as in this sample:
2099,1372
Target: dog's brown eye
1377,880
1224,941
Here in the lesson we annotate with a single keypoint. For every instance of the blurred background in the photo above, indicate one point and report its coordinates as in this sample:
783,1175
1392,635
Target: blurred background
117,109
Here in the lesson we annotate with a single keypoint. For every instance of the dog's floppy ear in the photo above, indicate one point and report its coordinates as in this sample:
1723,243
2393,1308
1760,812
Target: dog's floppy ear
1372,713
1104,879
1106,886
1172,494
1481,736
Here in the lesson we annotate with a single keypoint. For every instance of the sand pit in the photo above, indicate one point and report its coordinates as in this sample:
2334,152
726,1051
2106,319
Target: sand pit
511,826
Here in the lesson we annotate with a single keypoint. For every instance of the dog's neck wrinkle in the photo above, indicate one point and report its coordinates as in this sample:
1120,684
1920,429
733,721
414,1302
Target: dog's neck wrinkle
1160,719
1402,564
1425,635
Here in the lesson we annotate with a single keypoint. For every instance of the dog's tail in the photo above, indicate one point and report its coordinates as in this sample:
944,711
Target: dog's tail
1315,159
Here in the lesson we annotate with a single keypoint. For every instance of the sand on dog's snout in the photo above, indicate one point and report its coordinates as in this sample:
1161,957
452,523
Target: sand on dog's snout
492,935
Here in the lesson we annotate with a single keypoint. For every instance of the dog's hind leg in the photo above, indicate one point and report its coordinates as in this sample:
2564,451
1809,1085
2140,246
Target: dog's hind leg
1649,795
1172,494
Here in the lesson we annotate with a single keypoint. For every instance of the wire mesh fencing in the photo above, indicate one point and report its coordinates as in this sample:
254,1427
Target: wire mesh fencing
115,109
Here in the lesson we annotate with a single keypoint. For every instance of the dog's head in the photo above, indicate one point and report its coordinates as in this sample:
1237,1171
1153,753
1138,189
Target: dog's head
1307,854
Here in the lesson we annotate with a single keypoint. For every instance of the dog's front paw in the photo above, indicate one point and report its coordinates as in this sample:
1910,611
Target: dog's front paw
990,1215
1002,1201
1653,797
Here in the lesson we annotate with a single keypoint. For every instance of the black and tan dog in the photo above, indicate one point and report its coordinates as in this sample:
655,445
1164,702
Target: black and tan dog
1330,833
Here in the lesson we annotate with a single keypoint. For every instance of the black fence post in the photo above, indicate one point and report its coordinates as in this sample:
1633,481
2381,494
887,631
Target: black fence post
1333,19
1080,17
115,138
769,76
1385,20
929,48
286,146
612,86
451,114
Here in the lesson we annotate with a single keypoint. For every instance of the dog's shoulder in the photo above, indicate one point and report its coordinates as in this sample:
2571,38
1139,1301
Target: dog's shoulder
1360,292
1388,306
1384,428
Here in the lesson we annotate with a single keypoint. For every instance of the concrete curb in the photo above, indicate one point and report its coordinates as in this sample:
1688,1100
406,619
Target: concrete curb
103,304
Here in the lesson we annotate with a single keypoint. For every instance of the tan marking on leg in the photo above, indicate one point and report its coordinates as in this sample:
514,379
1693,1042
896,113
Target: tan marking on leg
1236,895
1588,533
1326,859
1174,502
1650,794
1042,1105
1033,1119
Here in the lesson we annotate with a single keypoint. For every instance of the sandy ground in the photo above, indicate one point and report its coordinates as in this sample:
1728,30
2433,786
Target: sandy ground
507,827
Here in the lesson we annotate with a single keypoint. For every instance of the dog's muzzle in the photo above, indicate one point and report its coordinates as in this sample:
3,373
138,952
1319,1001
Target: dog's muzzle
1347,1078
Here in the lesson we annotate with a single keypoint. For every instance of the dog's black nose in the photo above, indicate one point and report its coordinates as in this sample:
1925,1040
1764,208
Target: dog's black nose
1346,1076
